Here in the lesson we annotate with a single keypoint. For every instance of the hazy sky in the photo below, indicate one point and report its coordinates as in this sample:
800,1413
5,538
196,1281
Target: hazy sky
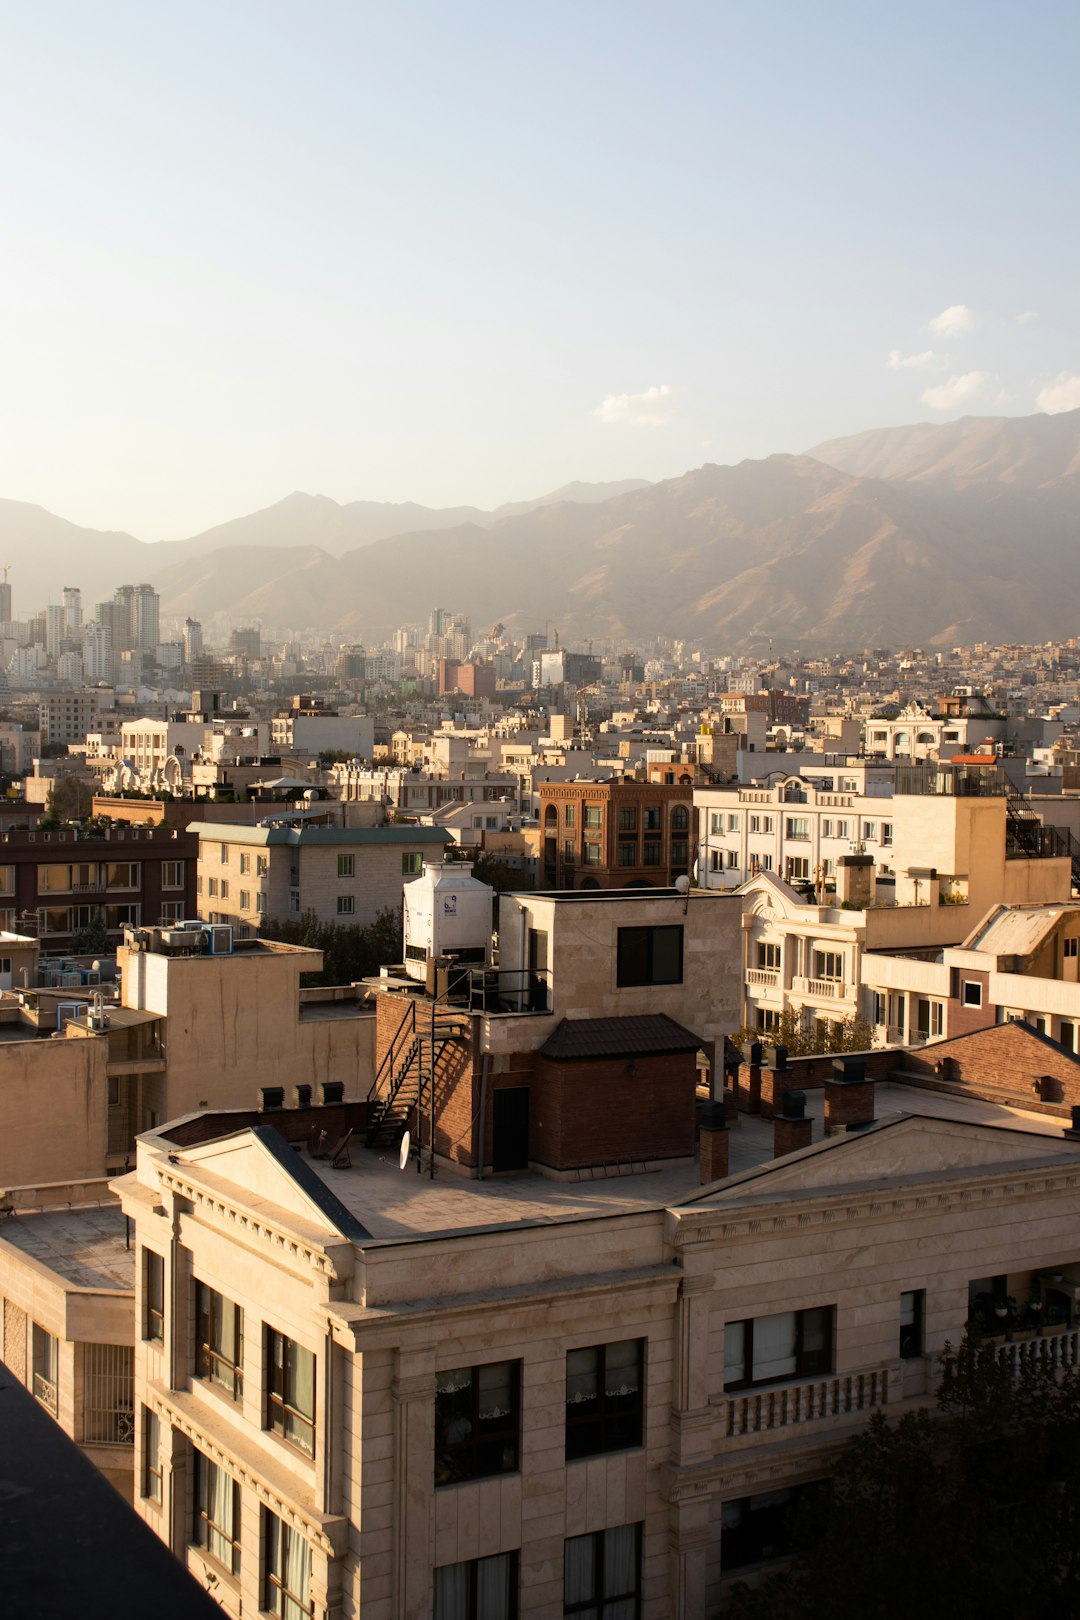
464,252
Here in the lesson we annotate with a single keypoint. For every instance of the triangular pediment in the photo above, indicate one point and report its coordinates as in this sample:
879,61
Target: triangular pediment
268,1170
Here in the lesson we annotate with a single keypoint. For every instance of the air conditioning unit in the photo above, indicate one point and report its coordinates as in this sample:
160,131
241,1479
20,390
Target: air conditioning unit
221,939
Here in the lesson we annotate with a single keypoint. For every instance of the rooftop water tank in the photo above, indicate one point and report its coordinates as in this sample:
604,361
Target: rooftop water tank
447,913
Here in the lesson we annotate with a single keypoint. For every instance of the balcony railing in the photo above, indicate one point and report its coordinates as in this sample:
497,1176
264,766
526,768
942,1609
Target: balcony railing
762,978
820,989
1056,1349
784,1406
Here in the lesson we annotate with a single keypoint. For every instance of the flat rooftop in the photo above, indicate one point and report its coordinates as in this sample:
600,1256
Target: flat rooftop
87,1247
393,1204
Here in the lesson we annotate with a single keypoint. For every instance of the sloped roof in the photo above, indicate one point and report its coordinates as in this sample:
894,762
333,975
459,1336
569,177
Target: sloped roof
1015,930
650,1035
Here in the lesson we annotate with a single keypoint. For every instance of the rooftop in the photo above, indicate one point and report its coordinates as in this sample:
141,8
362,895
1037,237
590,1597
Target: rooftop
87,1247
231,832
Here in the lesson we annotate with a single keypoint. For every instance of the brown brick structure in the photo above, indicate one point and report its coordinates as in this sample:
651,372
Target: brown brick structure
1006,1063
713,1141
615,835
791,1128
849,1097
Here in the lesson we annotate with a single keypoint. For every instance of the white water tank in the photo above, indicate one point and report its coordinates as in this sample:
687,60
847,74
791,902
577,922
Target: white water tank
447,913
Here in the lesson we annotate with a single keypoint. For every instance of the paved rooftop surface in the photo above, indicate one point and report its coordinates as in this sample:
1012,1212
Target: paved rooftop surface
85,1246
393,1203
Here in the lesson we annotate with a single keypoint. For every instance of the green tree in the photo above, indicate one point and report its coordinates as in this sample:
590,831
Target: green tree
975,1511
70,799
93,940
349,951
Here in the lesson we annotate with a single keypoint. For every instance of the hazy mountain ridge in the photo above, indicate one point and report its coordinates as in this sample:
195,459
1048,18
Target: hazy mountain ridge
931,534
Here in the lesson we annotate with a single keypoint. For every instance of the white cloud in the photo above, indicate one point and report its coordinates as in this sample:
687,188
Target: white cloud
926,361
953,322
957,391
649,409
1063,394
1026,317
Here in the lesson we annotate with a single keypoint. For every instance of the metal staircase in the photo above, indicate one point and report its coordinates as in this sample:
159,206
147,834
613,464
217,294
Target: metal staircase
407,1068
1027,834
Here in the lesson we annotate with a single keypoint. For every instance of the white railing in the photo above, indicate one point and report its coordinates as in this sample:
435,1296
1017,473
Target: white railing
824,987
758,1411
1057,1349
763,978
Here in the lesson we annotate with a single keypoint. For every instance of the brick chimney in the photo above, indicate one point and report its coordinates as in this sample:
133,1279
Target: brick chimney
855,880
749,1081
775,1078
713,1143
849,1096
791,1128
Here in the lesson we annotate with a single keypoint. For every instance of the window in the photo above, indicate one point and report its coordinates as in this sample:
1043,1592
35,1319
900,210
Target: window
602,1574
628,818
650,852
869,830
841,829
680,818
260,902
224,888
628,853
680,852
765,1349
287,1583
262,865
346,905
828,965
199,884
733,823
151,1478
108,1414
123,874
212,887
346,866
649,956
412,864
593,817
570,815
172,911
1071,948
245,864
45,1367
716,822
290,1391
219,1343
153,1295
477,1418
878,1014
768,954
7,880
798,827
971,993
886,832
826,828
482,1589
223,851
732,860
604,1398
756,1528
765,863
912,1311
650,818
217,1513
568,852
245,899
590,854
172,874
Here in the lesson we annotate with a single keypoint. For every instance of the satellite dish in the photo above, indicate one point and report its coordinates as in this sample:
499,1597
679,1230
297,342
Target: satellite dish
682,883
403,1155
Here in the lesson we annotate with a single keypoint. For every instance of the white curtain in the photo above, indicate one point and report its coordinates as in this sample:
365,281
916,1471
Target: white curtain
774,1346
219,1510
493,1588
621,1569
579,1577
452,1592
621,1363
296,1574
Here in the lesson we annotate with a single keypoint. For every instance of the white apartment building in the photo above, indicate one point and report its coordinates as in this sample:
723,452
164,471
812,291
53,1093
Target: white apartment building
360,1393
352,734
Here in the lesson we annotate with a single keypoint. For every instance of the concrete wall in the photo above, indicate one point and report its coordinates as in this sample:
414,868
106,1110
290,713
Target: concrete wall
53,1109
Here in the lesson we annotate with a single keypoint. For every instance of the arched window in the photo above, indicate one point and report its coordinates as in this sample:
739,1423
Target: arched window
680,818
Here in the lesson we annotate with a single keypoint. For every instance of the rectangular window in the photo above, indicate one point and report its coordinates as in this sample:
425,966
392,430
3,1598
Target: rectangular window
841,829
477,1421
765,863
650,818
108,1415
568,852
766,1349
605,1401
262,865
593,817
756,1528
627,818
680,852
733,824
649,956
7,880
602,1574
628,853
123,874
245,900
346,866
153,1295
260,902
481,1589
768,954
45,1367
219,1341
287,1568
590,854
716,822
290,1391
172,874
798,827
879,1013
732,860
151,1478
886,832
412,864
224,888
971,993
212,888
1071,948
650,852
223,851
826,828
217,1513
570,815
912,1311
869,830
828,965
245,864
346,905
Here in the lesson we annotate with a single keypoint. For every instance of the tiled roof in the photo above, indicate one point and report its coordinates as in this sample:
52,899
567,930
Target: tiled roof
648,1036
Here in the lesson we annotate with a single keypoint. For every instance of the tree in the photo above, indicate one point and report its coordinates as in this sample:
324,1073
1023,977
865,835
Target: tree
489,868
975,1511
349,951
852,1034
93,940
70,799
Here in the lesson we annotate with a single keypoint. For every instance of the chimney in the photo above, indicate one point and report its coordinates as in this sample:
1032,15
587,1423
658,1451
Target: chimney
775,1078
791,1128
855,881
849,1097
713,1143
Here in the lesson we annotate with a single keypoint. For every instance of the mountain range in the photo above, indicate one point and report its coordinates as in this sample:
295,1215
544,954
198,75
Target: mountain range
929,534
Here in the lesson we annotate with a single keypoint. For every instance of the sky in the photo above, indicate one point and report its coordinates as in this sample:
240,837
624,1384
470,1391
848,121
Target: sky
466,252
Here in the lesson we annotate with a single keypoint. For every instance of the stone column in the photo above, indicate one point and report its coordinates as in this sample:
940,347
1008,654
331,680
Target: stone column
414,1453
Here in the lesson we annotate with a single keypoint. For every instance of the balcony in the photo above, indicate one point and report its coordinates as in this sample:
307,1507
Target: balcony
762,979
785,1406
821,989
1055,1348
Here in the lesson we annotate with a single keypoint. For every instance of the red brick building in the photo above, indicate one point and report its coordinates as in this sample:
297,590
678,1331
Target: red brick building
472,680
615,835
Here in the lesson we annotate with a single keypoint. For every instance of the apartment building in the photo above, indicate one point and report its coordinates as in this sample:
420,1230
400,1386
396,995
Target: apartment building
411,792
348,875
306,729
362,1392
66,717
56,883
603,835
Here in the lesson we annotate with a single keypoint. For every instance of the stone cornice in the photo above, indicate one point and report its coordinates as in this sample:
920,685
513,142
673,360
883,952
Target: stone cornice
247,1223
748,1475
702,1224
329,1532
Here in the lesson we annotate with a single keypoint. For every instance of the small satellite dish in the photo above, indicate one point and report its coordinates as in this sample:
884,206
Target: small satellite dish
403,1155
682,883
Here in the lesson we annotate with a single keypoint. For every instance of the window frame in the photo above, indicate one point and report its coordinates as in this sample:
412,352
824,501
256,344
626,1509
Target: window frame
152,1489
599,1603
600,1432
625,972
279,1405
212,1365
808,1363
472,1601
461,1460
204,1528
277,1598
912,1336
153,1313
412,863
346,905
45,1360
346,866
966,998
